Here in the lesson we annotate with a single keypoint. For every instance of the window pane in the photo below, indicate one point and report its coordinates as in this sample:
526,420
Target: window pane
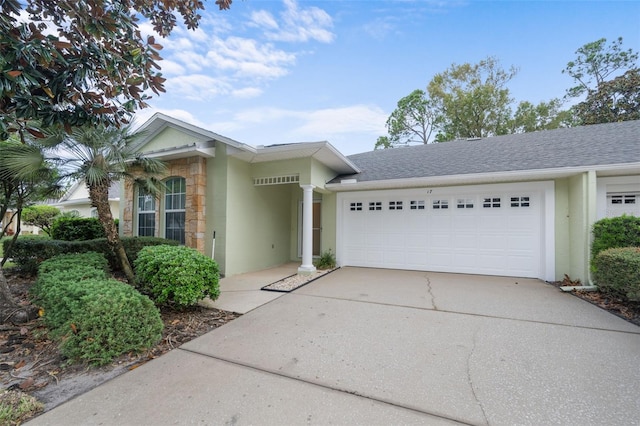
146,224
175,226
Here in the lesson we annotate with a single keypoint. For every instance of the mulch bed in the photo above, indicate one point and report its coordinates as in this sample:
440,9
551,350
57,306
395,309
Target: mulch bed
29,361
626,310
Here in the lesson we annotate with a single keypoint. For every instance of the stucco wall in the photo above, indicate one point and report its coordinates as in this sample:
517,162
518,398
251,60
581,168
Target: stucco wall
170,138
258,221
582,208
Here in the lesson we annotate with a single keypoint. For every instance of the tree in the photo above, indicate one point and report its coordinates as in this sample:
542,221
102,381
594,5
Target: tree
613,101
100,156
544,116
19,189
595,63
77,62
41,216
411,122
473,100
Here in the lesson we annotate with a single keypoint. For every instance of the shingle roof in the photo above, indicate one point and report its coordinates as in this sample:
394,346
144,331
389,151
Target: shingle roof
602,144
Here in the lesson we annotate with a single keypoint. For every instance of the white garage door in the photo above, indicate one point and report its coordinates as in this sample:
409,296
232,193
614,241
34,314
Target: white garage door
490,229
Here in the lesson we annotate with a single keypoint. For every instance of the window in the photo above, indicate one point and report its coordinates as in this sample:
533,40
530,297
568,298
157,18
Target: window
416,205
623,199
356,207
465,203
375,205
519,201
94,213
174,205
395,205
491,202
440,204
146,214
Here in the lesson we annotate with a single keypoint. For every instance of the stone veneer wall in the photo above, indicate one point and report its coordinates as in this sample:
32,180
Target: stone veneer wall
193,169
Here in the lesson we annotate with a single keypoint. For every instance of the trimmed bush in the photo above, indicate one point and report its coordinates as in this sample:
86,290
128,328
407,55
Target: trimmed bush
29,252
111,319
94,318
61,284
617,272
76,229
176,275
621,231
59,293
67,261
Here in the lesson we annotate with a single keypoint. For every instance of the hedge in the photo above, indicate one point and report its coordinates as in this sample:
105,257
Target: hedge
621,231
76,229
29,252
617,272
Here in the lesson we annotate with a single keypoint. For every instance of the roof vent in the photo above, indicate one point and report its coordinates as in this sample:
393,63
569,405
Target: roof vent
348,181
474,139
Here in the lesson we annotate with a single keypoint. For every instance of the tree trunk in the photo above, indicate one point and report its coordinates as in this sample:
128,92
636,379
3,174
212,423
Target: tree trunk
99,194
10,310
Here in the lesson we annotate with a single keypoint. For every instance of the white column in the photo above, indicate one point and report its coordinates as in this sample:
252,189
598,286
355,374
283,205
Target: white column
307,231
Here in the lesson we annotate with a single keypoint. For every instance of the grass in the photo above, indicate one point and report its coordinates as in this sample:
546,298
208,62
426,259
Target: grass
16,407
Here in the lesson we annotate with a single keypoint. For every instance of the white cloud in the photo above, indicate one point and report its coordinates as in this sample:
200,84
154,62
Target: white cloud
321,123
247,92
145,114
352,119
303,24
249,58
170,67
197,86
263,19
380,28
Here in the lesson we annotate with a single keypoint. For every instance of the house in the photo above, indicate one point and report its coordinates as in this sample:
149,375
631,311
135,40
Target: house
516,205
76,199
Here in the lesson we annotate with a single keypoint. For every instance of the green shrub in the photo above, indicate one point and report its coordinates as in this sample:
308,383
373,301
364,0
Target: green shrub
326,261
62,282
176,275
76,229
59,293
67,261
111,318
617,272
94,318
29,252
621,231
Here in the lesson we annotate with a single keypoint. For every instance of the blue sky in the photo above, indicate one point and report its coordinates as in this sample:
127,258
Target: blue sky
269,72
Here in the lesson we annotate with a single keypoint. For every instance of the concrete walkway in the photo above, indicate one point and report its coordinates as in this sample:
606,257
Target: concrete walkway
367,346
241,293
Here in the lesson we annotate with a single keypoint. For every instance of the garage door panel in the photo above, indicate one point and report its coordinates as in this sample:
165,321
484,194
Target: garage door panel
487,237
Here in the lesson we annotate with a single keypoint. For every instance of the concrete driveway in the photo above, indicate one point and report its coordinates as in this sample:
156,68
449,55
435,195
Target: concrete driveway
370,346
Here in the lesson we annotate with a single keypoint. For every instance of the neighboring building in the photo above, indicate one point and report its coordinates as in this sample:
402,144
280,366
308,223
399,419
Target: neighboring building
76,199
517,205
